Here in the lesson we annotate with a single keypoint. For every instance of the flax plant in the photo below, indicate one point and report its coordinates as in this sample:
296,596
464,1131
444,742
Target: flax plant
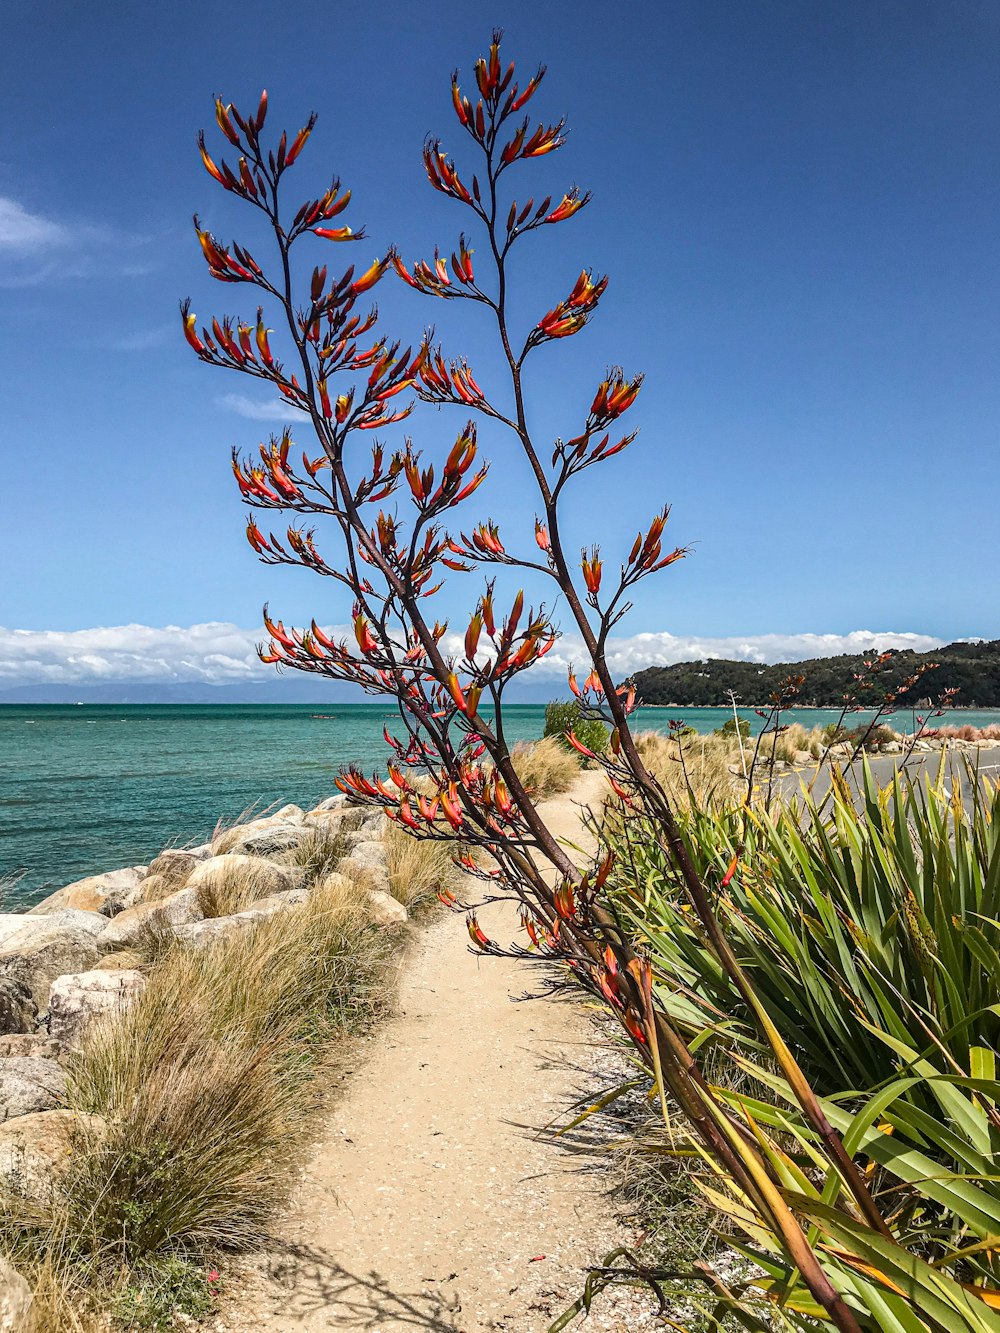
389,515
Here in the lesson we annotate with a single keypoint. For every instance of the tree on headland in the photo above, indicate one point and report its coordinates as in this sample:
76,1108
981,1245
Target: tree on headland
391,535
970,669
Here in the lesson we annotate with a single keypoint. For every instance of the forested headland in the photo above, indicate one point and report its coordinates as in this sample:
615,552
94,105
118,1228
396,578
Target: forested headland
973,669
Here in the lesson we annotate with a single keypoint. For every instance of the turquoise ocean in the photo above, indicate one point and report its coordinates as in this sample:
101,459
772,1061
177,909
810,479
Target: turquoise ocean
88,788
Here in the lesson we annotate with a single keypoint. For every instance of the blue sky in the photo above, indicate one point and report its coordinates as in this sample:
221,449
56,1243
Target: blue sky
797,206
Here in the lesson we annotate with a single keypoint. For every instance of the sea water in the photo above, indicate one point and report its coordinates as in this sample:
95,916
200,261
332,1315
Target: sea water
87,788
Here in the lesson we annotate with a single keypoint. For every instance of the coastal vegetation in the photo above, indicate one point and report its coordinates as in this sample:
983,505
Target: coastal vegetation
862,1207
193,1099
970,669
804,984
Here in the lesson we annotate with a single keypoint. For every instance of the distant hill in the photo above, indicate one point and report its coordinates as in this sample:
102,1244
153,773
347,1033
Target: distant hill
971,668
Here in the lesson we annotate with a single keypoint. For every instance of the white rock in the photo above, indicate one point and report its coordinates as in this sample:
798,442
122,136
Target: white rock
367,856
386,910
37,1149
280,837
39,958
18,927
331,803
277,902
204,933
16,1301
29,1084
128,927
375,823
78,999
271,877
91,893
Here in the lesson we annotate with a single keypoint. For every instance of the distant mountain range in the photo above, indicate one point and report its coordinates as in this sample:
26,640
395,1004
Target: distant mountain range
971,668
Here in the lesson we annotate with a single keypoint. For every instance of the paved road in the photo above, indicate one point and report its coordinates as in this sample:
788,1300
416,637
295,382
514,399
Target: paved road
987,760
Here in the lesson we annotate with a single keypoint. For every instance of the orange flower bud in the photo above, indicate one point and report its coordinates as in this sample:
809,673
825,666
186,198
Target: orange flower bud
225,124
210,166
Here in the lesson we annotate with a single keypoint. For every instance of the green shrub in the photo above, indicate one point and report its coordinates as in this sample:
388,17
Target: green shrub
730,730
565,715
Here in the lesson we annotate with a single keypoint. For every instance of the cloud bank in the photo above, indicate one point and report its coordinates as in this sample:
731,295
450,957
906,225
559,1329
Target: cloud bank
217,653
23,232
35,249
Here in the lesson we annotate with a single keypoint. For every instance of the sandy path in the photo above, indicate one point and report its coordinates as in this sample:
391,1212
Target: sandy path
431,1204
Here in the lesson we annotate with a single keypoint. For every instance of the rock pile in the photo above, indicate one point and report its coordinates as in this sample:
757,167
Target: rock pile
76,959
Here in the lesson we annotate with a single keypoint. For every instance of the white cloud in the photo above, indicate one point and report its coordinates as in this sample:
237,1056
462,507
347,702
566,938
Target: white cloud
25,232
220,653
256,410
211,653
35,249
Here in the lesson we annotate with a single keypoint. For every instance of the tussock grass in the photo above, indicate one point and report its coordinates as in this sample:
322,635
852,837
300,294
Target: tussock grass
234,888
174,875
967,732
418,867
60,1301
695,769
318,853
546,767
228,831
207,1083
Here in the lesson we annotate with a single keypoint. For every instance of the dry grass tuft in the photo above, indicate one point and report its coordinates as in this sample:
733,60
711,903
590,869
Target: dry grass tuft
695,769
206,1084
546,767
228,831
235,888
318,853
174,875
60,1302
418,867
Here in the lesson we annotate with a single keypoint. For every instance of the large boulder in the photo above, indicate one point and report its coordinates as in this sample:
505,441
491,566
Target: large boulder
35,958
92,893
173,863
200,853
331,803
368,858
220,873
16,1301
386,910
270,839
64,918
79,999
29,1084
376,823
38,1044
36,1150
18,1010
16,927
203,933
129,927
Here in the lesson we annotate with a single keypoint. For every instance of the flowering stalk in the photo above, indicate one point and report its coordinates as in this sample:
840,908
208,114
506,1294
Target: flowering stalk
397,540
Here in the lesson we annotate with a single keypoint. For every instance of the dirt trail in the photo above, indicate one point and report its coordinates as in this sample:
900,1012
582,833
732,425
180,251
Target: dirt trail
430,1200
